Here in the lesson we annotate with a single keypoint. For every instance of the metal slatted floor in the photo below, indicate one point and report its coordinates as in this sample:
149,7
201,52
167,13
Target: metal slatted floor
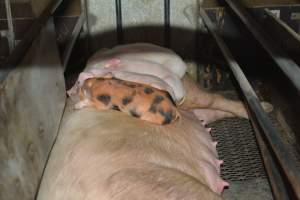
238,148
243,167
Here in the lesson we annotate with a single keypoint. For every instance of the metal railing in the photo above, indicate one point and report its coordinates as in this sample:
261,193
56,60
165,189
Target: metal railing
21,48
267,136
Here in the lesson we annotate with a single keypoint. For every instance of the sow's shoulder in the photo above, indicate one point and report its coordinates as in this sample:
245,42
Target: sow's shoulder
109,155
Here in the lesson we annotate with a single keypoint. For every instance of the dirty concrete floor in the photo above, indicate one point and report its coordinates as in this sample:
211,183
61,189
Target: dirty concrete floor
255,189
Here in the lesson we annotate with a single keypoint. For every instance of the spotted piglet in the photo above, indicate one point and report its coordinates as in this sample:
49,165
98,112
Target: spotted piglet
138,100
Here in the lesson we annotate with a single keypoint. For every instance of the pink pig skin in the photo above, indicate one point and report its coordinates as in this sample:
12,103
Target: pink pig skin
213,178
144,68
143,52
112,156
123,75
139,59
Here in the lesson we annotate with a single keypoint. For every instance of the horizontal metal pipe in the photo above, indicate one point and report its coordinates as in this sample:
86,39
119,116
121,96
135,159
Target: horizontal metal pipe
269,133
286,64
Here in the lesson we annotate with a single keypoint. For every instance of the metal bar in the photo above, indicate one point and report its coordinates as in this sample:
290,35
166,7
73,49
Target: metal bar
287,65
119,21
18,53
281,30
167,23
276,181
197,55
86,25
282,25
74,36
11,31
269,133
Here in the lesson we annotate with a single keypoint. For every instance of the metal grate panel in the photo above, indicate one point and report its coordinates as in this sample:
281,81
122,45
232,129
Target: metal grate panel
238,148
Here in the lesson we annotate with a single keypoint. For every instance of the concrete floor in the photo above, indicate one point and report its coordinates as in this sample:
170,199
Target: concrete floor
255,189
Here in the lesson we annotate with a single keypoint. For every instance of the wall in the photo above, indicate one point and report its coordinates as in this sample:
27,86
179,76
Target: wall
143,20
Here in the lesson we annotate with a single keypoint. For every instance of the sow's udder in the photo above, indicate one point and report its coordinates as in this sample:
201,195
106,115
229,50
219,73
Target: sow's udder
115,142
152,105
114,156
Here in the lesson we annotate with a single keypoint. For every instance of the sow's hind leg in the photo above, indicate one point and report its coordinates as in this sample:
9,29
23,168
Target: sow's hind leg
211,106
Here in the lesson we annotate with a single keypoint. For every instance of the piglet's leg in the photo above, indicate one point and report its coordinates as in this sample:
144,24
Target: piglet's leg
209,115
199,98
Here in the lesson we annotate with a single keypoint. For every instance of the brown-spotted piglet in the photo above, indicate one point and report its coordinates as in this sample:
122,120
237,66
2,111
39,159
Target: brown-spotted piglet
138,100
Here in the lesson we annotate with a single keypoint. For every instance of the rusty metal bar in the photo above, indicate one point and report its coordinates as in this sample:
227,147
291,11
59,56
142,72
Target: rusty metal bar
269,133
74,36
286,64
18,53
11,31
